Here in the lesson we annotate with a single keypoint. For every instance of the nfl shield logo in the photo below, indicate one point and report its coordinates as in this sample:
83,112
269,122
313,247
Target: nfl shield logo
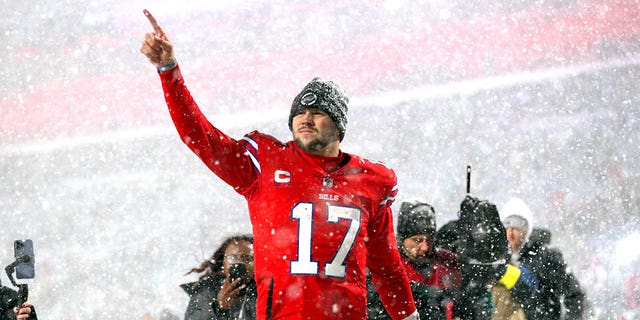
327,182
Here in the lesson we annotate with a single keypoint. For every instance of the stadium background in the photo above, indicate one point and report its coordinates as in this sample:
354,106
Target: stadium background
539,97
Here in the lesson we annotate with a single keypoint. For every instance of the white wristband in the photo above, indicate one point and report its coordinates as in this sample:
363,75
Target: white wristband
168,67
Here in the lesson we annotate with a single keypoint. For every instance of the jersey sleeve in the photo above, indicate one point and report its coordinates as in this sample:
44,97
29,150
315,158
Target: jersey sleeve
227,158
384,262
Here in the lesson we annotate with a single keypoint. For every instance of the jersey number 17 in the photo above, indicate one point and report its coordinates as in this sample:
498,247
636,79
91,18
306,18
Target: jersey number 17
303,212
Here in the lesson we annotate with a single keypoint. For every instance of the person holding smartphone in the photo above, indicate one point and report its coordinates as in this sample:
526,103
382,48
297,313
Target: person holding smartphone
226,288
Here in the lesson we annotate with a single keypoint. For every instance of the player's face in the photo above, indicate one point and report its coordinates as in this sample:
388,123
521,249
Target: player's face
314,130
418,246
515,237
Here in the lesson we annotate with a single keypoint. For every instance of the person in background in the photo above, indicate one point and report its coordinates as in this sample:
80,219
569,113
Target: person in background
8,298
479,239
320,216
433,273
217,294
559,293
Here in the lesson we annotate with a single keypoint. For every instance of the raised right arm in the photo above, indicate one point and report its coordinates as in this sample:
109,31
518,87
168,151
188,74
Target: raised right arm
226,157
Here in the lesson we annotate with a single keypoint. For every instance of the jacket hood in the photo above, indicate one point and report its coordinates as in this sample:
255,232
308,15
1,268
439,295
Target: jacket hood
516,207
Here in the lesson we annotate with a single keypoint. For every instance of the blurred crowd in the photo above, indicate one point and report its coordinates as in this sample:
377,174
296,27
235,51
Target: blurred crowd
483,265
486,264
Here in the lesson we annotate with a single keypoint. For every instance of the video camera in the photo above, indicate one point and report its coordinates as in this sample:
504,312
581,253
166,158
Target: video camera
479,239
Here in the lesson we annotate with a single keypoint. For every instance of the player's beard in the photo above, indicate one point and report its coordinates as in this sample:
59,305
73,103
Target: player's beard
423,260
321,141
313,145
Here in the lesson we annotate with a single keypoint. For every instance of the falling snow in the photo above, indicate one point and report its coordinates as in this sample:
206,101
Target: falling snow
539,97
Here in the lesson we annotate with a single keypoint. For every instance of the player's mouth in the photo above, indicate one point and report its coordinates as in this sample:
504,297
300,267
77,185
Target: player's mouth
306,130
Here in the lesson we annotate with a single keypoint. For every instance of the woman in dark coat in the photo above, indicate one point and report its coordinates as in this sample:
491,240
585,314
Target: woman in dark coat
216,295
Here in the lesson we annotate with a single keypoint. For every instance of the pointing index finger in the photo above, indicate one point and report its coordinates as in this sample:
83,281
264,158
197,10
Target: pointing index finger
154,23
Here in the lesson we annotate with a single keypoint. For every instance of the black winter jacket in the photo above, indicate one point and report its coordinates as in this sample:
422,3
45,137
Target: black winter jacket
8,300
557,285
203,304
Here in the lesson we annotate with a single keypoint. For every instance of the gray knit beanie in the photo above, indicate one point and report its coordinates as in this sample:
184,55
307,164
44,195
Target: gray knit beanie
416,217
325,95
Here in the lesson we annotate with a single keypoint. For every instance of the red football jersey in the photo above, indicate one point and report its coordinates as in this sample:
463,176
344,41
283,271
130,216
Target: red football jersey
315,231
445,271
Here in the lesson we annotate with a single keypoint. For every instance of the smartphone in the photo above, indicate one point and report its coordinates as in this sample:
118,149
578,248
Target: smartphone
238,270
23,251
